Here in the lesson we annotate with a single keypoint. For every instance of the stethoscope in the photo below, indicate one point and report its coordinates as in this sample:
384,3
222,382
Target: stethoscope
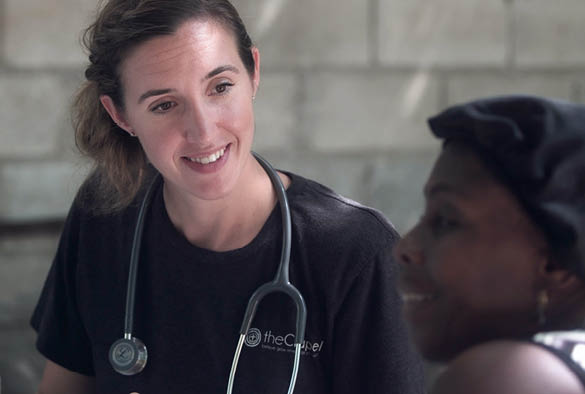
128,355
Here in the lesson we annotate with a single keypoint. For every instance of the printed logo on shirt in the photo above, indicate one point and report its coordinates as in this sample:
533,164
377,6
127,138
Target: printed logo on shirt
268,340
253,338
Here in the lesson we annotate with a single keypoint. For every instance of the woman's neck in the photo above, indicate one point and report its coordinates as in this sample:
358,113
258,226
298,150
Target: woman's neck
230,222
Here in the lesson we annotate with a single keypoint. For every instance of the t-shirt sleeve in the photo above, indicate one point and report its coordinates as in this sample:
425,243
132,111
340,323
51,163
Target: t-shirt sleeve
61,334
372,351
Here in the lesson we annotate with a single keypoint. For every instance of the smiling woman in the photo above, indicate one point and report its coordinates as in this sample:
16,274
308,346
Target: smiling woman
167,116
493,273
479,272
188,100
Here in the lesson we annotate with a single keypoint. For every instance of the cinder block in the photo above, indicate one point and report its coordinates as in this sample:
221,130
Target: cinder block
307,32
464,87
368,111
276,111
40,33
550,33
426,33
34,111
398,179
38,190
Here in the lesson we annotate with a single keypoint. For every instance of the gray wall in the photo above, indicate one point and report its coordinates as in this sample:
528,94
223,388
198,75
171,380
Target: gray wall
346,88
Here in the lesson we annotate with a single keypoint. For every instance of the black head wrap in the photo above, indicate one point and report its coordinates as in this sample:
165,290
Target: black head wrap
536,146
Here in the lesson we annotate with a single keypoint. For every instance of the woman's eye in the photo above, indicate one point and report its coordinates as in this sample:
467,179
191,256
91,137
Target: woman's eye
223,87
163,107
440,224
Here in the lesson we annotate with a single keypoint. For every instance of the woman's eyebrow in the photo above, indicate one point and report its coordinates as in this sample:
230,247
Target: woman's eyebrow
438,188
211,74
444,188
153,92
220,69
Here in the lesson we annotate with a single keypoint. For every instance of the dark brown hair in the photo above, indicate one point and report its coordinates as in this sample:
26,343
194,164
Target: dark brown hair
120,164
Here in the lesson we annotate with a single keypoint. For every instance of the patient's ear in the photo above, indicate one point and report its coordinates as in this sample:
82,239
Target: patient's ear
556,276
565,290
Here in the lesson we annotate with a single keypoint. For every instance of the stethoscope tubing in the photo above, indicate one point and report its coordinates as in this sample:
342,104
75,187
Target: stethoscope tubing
134,257
293,378
280,283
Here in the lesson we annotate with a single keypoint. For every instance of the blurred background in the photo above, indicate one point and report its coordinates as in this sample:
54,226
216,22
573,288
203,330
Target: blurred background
346,87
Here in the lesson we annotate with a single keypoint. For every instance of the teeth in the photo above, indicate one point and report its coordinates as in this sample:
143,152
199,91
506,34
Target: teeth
414,297
208,159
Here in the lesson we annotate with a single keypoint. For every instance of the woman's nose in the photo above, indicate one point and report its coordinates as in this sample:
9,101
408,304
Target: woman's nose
199,123
407,250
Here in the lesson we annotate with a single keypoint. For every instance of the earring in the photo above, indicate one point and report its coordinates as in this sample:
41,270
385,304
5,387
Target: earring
541,306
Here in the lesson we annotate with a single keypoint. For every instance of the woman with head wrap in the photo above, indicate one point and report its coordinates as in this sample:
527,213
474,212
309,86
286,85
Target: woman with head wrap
493,274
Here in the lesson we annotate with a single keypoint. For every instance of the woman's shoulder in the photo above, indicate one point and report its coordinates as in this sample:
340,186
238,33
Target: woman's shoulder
327,210
506,367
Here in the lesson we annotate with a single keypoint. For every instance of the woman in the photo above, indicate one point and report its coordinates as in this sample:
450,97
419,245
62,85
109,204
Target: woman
499,254
170,90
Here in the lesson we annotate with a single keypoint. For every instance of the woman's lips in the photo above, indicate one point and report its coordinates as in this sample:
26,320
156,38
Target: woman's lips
419,304
208,163
206,159
416,297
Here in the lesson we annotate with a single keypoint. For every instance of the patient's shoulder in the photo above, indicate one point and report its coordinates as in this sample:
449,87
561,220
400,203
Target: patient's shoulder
506,367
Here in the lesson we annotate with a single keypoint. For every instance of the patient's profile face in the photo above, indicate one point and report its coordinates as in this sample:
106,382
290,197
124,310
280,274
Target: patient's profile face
469,267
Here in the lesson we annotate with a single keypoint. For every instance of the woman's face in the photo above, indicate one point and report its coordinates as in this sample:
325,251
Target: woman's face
469,268
188,99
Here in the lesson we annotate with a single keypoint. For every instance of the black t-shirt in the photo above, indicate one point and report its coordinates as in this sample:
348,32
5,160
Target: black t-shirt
190,303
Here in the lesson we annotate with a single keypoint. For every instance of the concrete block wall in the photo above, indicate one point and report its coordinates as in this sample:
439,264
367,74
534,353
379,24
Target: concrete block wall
345,89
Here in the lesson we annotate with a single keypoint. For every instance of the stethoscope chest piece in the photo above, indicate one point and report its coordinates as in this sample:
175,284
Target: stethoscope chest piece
128,356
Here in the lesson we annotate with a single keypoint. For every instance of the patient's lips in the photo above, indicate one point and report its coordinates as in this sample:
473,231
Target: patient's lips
415,297
418,296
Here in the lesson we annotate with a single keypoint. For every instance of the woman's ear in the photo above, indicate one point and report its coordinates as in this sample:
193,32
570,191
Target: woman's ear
564,293
256,77
563,279
560,284
115,114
